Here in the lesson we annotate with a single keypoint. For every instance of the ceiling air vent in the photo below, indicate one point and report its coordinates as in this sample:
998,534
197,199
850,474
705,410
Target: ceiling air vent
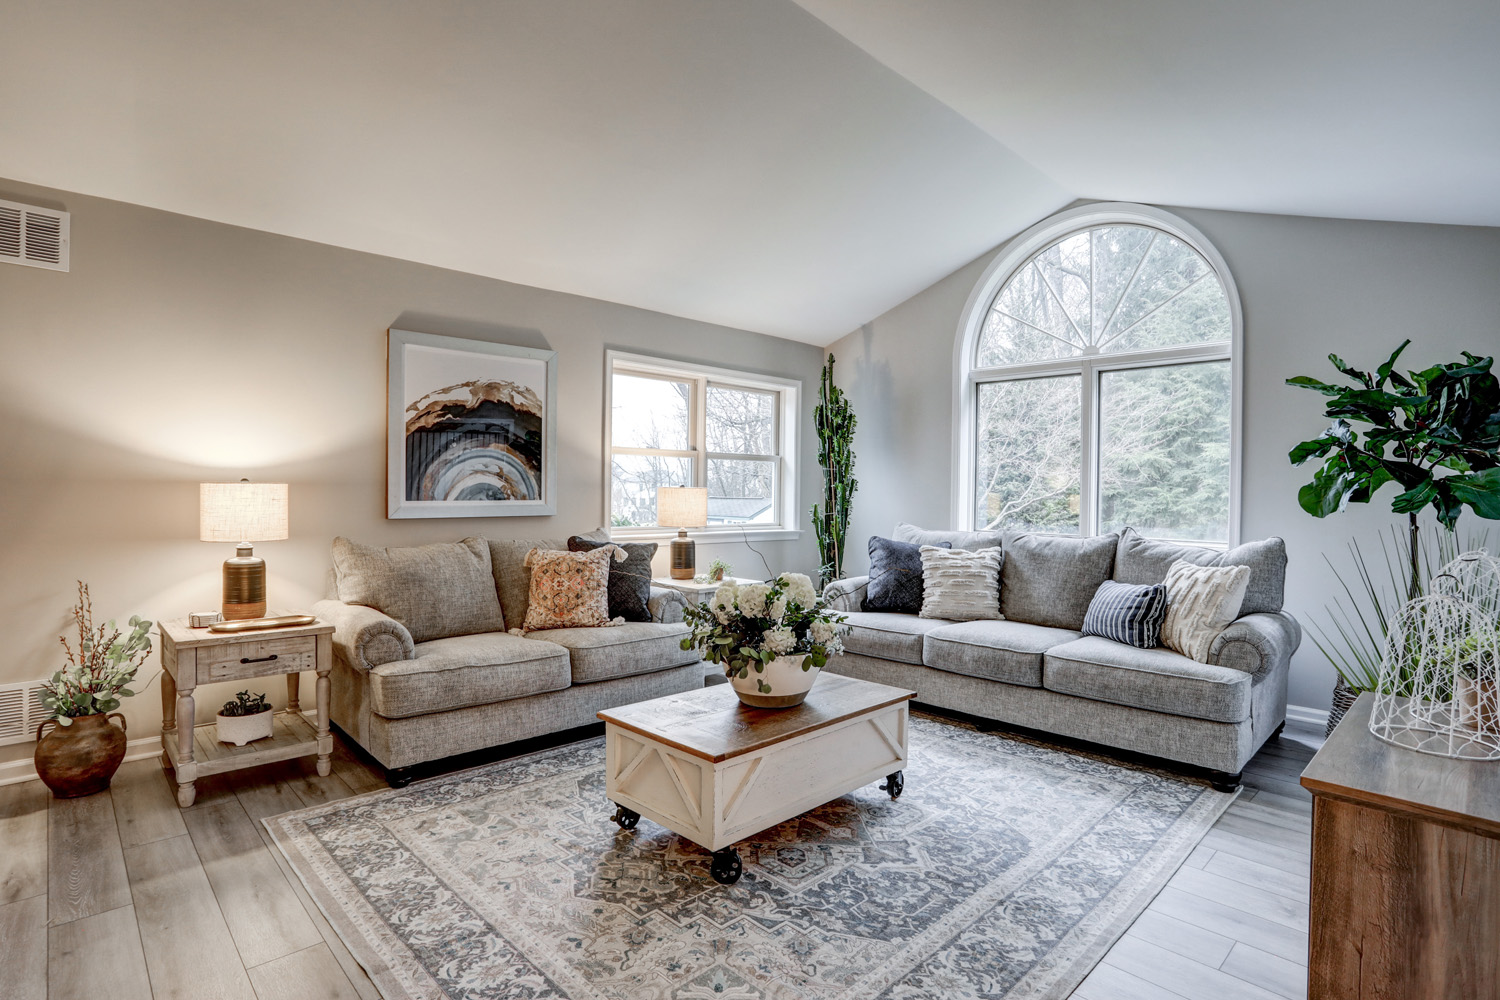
21,709
36,237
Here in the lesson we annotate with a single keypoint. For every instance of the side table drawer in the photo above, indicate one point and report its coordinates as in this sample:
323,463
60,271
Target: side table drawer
257,659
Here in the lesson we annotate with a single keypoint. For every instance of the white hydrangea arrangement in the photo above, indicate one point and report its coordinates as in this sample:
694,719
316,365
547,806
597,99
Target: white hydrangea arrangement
744,627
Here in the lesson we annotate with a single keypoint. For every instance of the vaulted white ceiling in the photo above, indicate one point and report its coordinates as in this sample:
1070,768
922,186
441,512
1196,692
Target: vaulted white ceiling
745,163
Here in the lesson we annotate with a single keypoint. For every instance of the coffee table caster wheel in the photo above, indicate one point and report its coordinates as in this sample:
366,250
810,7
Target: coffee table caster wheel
894,783
726,867
627,818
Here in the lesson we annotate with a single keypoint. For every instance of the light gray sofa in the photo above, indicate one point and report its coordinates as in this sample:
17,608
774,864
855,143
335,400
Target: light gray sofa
1036,670
410,702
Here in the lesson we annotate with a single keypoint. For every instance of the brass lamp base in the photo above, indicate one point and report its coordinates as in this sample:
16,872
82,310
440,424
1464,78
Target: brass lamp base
244,585
684,556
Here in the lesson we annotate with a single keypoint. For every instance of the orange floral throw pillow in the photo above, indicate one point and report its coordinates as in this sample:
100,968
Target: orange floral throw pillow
570,589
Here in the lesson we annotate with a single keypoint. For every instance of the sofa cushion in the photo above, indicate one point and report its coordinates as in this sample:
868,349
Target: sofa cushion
960,585
1050,579
1127,613
1155,679
467,670
971,540
888,636
995,650
570,589
895,582
1146,560
602,654
1201,602
436,591
629,581
513,579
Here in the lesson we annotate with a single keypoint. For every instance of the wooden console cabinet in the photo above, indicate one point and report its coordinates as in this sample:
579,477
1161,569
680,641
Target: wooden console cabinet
1405,871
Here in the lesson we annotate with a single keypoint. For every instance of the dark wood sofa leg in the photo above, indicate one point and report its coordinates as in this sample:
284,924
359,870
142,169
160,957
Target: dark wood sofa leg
1278,732
399,777
1223,781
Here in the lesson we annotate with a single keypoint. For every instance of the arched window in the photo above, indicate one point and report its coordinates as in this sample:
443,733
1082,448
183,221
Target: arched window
1098,364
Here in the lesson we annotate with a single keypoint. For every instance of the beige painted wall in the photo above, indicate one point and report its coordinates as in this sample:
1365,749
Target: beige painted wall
178,351
1308,286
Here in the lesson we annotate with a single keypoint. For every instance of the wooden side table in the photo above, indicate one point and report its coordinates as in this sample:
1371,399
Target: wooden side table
193,656
1405,870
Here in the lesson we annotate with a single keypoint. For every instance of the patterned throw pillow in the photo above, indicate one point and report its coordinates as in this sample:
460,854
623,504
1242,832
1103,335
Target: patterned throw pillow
1127,613
629,581
570,589
1201,602
960,585
895,576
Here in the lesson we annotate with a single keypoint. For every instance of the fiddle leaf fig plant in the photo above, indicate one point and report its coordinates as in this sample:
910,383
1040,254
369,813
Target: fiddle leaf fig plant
1434,433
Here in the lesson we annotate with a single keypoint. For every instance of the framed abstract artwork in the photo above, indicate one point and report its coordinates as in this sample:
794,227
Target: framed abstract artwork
472,428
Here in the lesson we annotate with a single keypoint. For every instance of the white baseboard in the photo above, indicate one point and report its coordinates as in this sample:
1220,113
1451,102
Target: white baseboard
1307,716
24,770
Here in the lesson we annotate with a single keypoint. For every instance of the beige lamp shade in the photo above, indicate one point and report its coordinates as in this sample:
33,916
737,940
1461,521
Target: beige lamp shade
242,512
681,506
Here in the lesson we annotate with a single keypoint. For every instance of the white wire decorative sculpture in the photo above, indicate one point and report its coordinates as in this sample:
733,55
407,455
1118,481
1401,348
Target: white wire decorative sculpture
1439,690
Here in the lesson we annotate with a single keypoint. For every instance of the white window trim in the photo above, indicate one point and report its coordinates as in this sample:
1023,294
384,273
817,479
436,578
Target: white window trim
788,429
971,323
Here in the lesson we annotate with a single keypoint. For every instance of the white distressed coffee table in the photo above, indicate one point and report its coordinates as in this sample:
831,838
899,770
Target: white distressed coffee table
715,771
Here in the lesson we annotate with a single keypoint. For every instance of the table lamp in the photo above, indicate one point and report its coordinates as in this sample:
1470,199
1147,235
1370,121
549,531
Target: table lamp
243,512
682,507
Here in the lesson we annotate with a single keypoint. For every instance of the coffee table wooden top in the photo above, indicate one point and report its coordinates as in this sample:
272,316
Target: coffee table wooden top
713,724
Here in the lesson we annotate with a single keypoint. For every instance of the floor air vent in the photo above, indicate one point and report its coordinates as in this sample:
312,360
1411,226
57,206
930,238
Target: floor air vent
36,237
21,711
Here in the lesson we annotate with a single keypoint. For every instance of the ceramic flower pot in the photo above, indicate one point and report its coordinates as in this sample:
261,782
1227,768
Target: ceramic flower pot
81,758
1478,703
789,683
242,729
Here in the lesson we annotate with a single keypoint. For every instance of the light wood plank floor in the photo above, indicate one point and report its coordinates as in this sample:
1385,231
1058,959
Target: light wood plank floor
197,903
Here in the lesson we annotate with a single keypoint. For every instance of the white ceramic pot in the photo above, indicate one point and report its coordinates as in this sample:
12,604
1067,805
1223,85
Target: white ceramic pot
789,683
242,729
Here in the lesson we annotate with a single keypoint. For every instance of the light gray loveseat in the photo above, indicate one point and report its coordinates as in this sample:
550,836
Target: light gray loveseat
1036,670
425,667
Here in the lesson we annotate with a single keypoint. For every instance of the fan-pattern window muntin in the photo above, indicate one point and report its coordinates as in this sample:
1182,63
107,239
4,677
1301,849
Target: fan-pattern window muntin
680,427
1102,389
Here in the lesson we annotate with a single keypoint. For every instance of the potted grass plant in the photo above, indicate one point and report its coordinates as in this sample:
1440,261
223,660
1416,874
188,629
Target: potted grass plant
770,639
245,719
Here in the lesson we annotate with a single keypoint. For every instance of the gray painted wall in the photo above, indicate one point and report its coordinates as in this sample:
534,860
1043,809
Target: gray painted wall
178,351
1309,287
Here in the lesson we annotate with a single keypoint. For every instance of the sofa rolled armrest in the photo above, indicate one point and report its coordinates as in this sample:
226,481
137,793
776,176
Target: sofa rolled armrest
847,594
666,605
1257,643
365,637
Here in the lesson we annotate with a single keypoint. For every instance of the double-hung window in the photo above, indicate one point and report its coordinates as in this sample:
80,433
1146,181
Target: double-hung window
679,424
1099,382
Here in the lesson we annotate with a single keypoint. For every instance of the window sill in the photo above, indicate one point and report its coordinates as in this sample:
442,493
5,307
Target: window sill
716,537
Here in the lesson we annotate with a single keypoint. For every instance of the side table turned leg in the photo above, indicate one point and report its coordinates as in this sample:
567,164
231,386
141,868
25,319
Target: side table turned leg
168,715
294,693
187,768
325,737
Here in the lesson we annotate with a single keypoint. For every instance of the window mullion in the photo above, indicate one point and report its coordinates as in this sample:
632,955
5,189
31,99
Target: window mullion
1088,483
700,432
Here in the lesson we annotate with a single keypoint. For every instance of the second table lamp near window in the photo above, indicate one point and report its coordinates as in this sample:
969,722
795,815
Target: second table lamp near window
243,512
682,507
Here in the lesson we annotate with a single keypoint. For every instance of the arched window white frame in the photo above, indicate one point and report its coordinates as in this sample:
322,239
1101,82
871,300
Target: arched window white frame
1090,366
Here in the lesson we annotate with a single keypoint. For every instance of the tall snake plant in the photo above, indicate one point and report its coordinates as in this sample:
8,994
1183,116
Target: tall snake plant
834,420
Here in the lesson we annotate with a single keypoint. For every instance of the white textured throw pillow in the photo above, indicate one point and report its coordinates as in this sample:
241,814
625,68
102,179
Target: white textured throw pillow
960,585
1201,602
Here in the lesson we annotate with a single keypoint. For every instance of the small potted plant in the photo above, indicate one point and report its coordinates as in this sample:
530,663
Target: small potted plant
718,569
770,639
1476,693
244,719
81,753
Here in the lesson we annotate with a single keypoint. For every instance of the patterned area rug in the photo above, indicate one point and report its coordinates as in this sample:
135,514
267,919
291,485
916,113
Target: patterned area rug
1006,869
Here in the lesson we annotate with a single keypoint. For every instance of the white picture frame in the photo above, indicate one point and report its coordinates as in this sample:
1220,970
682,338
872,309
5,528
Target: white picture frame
462,427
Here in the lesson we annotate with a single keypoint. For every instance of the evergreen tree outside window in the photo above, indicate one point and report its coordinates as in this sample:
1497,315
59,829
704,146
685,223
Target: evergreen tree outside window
1099,382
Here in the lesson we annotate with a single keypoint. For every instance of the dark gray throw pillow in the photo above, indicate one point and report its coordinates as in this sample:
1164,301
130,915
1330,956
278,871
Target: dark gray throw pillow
895,576
1127,613
629,581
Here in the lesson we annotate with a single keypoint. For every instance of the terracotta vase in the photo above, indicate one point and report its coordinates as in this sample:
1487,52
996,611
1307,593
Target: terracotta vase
789,683
80,759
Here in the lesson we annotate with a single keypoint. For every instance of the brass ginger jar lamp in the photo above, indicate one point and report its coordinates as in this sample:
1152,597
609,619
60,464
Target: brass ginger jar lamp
243,513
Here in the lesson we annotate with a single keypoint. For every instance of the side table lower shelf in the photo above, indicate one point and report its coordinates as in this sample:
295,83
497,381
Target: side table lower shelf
292,736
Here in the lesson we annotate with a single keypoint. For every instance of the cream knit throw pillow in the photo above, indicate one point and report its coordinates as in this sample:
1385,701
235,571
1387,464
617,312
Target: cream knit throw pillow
960,585
1201,602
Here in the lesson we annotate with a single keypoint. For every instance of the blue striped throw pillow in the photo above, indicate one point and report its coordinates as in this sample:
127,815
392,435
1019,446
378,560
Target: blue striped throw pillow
1127,613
